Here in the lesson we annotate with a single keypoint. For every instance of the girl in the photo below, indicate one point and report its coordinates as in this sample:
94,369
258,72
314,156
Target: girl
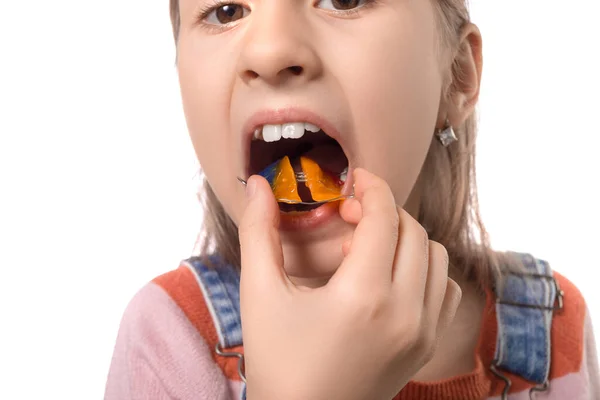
393,292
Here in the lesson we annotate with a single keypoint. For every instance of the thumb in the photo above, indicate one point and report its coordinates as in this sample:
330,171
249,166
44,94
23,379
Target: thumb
261,252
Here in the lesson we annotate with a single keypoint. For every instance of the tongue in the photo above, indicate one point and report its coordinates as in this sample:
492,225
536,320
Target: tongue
329,157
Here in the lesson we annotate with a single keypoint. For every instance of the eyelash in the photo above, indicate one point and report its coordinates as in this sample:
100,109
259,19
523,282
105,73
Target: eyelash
355,11
205,11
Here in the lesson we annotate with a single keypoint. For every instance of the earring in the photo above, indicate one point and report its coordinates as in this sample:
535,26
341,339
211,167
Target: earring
446,135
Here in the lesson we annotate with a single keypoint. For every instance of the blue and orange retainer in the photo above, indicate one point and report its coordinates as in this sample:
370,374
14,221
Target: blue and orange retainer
323,186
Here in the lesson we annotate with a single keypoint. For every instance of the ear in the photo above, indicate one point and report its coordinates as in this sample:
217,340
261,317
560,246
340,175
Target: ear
466,80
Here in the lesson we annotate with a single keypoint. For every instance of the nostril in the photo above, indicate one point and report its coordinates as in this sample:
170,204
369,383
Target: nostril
250,75
296,70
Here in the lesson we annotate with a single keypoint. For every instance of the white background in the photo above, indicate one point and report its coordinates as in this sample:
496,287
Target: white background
97,174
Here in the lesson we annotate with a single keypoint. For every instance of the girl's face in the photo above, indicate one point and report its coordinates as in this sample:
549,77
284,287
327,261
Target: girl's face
367,72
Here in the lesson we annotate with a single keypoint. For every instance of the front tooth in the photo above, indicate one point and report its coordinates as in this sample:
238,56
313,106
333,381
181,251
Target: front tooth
271,133
292,131
311,128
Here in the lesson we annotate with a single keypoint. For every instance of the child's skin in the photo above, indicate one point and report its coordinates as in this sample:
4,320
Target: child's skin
364,334
379,76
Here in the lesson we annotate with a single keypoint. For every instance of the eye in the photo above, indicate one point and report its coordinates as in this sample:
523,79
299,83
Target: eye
224,14
341,5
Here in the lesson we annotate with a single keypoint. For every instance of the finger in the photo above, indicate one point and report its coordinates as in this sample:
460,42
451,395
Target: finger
437,280
371,253
411,264
450,305
261,252
351,211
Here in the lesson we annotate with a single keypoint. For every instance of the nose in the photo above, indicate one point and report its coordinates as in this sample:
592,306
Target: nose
277,48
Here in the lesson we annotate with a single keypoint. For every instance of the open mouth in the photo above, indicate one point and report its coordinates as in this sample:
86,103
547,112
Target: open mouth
298,141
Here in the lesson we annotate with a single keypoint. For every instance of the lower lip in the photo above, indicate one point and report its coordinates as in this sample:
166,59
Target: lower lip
309,219
319,216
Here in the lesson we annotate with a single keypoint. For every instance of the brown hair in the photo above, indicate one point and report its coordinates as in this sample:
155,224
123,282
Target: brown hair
449,207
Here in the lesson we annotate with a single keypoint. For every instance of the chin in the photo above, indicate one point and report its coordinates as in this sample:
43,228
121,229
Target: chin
312,258
317,261
314,254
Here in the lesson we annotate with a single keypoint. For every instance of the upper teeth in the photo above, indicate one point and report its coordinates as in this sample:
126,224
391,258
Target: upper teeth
291,130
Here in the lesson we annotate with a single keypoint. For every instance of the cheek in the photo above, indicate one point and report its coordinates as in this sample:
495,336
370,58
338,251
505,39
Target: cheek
395,101
205,99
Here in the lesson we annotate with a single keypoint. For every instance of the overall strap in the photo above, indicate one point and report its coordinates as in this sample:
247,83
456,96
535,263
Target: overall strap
220,285
525,303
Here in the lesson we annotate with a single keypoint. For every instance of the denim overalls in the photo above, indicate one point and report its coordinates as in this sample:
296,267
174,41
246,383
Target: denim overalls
525,304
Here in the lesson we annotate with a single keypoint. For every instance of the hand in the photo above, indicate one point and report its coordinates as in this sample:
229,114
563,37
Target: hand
364,334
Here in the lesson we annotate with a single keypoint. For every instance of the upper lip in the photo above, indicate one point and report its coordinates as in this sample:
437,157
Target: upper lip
287,115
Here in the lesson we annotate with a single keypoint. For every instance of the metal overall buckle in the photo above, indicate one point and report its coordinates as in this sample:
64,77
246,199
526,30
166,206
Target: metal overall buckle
558,299
508,383
240,357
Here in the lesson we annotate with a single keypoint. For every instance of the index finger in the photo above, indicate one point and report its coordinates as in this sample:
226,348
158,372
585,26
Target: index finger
370,257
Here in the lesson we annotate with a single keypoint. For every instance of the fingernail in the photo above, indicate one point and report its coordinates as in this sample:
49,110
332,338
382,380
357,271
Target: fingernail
250,188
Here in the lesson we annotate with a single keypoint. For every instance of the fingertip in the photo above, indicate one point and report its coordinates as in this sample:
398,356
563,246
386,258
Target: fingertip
351,211
261,205
361,178
374,194
457,289
455,292
261,191
257,185
360,172
250,187
364,180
